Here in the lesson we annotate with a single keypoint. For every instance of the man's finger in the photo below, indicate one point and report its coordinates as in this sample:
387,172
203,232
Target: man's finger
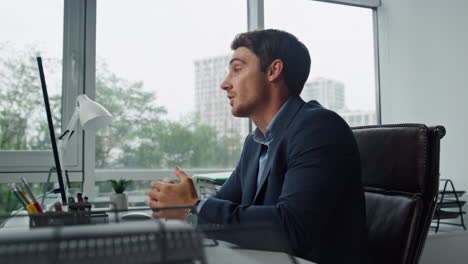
157,185
167,180
153,194
151,203
180,174
158,214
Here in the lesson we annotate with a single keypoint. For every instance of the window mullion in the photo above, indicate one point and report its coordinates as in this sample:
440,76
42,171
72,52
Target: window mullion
73,76
255,14
255,20
378,109
89,139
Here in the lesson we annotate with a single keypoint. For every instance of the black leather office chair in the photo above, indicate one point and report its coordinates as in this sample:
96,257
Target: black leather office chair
400,174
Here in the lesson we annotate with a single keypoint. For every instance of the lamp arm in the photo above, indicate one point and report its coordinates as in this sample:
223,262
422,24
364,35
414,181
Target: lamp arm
67,134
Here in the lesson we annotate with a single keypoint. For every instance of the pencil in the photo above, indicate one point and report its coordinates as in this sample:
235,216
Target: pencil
21,193
18,196
34,201
31,208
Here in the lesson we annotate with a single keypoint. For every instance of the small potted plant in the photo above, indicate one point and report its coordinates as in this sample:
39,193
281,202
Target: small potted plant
119,199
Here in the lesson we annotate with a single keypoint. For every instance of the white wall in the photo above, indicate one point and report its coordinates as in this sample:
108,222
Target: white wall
446,249
424,73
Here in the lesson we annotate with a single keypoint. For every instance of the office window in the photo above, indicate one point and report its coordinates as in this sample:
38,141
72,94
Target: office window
341,46
29,29
159,67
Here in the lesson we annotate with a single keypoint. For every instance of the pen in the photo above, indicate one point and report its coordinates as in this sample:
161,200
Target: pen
18,197
28,206
34,201
21,193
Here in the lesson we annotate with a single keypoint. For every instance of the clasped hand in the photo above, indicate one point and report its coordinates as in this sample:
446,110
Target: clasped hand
168,193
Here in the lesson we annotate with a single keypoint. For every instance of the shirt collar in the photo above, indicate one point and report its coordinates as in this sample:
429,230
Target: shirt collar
274,128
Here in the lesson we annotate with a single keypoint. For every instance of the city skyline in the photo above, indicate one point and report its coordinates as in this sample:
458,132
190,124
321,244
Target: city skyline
340,39
211,105
212,108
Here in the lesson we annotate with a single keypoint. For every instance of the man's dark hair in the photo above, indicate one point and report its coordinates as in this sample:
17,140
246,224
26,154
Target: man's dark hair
272,44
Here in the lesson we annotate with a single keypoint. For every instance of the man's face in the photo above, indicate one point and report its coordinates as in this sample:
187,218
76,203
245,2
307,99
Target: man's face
246,86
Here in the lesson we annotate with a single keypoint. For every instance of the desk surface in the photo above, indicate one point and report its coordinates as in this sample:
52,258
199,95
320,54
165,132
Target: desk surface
224,255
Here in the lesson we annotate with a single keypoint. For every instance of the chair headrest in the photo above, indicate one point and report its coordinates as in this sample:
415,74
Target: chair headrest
397,157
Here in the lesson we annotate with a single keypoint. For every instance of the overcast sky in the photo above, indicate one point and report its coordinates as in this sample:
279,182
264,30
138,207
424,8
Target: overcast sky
157,41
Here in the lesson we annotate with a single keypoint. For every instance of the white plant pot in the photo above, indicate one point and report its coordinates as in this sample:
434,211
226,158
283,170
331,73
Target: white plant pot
119,200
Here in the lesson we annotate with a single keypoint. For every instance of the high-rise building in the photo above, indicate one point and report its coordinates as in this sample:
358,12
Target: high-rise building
329,93
359,118
213,108
211,103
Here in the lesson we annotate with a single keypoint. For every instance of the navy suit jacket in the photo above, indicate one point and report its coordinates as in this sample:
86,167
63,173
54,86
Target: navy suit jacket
311,187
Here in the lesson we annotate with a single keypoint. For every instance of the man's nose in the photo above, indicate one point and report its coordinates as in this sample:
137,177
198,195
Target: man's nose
225,85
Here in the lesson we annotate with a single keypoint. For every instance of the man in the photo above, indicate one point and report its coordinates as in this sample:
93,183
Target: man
300,169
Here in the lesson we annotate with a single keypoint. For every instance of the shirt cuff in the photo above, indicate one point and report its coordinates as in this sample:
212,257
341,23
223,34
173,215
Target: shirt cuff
200,205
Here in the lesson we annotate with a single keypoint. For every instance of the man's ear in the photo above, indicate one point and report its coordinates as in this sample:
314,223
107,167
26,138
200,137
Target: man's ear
275,70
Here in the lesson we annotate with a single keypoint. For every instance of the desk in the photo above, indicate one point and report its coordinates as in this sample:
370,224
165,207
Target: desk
19,222
225,255
20,219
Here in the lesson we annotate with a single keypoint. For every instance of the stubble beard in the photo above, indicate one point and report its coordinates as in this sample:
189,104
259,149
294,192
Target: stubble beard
242,110
247,109
239,112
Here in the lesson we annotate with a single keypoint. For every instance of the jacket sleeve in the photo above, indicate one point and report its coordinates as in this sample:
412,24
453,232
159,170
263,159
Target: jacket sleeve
231,189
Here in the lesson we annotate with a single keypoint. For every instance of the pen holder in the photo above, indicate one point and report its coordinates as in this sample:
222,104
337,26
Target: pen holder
78,214
59,219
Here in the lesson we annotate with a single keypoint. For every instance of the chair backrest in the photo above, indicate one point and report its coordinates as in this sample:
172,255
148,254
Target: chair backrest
400,175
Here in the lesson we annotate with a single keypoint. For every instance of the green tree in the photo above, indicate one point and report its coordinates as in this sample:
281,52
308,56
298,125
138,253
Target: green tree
41,139
146,152
138,137
176,144
22,126
228,150
204,145
134,112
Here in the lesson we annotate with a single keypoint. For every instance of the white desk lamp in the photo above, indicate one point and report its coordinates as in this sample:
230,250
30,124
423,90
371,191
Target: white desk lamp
92,116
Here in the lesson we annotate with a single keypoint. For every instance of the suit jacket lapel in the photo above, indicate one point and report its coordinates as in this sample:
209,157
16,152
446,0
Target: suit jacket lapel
284,121
266,171
251,182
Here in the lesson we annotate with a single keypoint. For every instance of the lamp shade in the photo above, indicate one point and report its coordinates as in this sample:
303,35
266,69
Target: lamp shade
93,116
